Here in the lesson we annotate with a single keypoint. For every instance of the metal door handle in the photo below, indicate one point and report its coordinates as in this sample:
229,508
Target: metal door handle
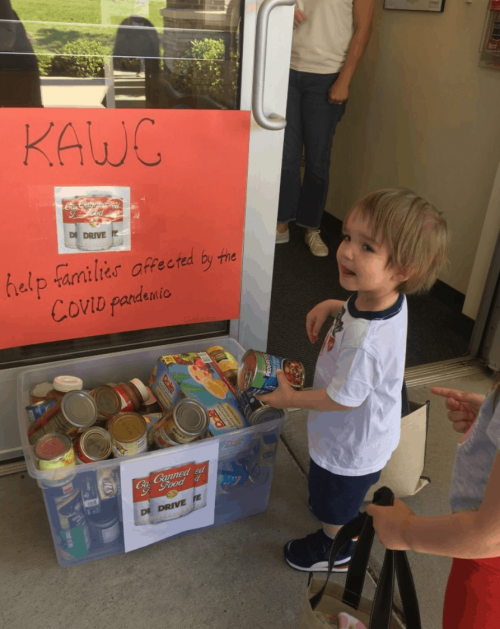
273,122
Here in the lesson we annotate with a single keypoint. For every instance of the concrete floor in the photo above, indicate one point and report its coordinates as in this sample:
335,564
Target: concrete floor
230,576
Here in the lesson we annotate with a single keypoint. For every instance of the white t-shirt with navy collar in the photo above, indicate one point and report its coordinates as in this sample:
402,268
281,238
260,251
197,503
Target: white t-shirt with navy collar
361,364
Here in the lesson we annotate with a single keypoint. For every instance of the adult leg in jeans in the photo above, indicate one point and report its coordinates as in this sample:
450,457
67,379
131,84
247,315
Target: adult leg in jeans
292,153
319,119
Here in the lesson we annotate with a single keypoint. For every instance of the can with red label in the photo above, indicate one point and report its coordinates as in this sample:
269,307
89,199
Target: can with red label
200,484
114,212
141,493
54,451
72,214
76,411
258,372
93,444
172,493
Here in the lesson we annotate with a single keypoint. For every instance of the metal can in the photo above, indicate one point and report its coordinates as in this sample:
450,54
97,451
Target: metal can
226,362
76,411
185,422
93,444
39,392
257,373
53,451
108,401
36,410
108,483
90,492
105,528
75,530
128,434
256,411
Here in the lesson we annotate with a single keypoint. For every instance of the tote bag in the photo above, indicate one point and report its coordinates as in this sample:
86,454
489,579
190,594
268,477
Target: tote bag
403,471
333,598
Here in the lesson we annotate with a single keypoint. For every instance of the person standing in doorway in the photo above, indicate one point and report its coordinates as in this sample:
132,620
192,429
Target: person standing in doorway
330,37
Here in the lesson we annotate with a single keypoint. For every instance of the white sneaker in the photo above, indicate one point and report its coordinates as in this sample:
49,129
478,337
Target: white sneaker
281,238
316,245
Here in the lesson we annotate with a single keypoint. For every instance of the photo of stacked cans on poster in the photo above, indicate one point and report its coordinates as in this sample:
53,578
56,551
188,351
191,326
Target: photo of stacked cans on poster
158,490
92,219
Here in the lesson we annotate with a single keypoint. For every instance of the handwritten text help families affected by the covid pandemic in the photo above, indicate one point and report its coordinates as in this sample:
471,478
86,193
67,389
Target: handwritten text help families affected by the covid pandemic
69,275
120,220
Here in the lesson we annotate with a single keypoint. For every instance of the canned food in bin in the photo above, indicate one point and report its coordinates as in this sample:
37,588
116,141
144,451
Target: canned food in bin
258,372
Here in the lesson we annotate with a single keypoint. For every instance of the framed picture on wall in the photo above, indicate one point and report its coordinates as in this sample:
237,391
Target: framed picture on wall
436,6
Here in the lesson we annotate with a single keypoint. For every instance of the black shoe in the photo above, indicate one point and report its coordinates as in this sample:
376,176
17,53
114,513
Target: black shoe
311,553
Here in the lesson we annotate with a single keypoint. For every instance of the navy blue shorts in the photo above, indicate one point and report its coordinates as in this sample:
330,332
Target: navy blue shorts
337,499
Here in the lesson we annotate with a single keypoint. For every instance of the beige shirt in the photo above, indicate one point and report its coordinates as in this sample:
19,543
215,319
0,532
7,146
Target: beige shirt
321,42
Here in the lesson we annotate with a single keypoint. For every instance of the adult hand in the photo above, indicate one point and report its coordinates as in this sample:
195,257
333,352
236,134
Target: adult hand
298,17
388,523
315,319
338,93
463,406
281,397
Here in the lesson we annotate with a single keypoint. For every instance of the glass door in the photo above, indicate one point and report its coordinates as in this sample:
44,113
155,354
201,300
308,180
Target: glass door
157,55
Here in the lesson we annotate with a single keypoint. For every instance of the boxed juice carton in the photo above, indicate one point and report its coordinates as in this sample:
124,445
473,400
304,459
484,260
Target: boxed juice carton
193,375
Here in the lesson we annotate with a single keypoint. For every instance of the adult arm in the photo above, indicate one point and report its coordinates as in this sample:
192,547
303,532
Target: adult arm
466,535
363,19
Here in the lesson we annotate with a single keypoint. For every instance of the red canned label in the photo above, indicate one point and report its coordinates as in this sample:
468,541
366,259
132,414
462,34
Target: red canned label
201,484
127,404
172,493
141,493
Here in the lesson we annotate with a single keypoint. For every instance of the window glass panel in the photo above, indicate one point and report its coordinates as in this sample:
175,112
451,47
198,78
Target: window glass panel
120,53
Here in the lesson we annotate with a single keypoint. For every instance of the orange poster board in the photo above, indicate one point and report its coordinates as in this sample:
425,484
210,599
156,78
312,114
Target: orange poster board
119,220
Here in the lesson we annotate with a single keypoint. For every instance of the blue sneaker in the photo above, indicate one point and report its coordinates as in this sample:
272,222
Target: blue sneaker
311,553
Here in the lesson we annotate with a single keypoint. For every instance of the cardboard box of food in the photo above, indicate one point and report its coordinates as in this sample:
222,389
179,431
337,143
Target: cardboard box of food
193,375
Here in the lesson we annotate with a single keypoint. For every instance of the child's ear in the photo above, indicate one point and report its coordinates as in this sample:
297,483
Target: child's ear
401,275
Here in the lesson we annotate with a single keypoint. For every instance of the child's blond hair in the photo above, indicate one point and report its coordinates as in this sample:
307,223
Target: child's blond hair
415,232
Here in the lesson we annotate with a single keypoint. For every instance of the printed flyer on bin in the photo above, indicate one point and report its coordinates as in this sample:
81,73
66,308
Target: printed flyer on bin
166,495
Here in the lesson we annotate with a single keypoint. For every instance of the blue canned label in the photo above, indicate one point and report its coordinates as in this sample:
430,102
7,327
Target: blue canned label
37,410
248,403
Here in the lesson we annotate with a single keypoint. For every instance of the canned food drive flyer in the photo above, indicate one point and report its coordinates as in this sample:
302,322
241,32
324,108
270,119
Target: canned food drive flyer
92,219
169,494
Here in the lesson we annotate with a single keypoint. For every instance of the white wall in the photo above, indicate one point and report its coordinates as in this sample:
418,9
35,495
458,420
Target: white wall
424,115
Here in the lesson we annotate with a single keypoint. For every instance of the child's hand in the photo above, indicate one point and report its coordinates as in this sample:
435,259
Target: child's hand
280,397
315,320
463,406
388,524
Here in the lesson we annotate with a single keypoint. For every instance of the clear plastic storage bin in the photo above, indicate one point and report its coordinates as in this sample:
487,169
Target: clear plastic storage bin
245,465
